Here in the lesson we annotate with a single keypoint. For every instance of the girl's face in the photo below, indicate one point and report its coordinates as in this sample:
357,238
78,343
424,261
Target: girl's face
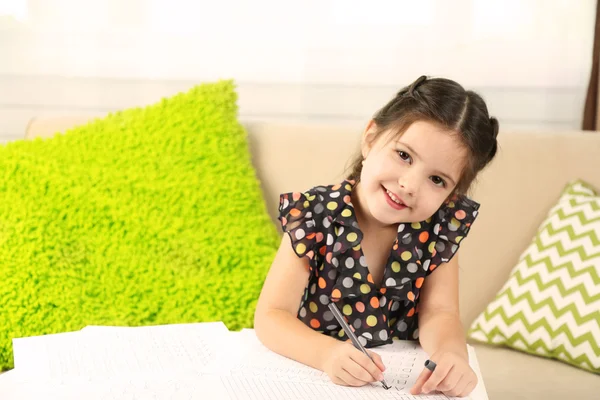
406,179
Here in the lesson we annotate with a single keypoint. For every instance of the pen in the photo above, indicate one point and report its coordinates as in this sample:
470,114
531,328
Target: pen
338,316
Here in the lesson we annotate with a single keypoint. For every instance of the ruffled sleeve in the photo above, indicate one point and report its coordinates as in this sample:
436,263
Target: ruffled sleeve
457,216
297,216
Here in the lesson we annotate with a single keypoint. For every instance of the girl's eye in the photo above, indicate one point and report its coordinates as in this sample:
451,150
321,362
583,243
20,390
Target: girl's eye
438,181
404,155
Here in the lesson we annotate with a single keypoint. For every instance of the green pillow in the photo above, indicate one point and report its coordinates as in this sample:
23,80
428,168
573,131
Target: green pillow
149,216
550,305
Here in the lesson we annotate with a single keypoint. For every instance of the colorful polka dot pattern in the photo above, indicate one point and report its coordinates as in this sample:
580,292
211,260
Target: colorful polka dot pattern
323,228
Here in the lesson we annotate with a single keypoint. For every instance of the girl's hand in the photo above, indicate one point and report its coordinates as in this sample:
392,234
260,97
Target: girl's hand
453,376
346,365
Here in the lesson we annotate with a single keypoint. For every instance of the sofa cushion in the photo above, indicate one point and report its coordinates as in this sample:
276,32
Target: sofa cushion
149,216
549,306
514,375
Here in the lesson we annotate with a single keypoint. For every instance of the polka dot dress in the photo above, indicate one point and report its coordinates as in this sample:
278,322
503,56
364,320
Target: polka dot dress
323,228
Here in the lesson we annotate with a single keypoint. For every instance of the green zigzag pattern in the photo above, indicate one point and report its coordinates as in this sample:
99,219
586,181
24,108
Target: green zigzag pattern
587,298
579,187
558,312
574,235
560,352
530,327
568,265
564,252
594,204
580,215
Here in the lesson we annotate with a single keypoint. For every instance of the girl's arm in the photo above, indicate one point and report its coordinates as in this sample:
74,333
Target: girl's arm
275,320
442,336
278,328
440,328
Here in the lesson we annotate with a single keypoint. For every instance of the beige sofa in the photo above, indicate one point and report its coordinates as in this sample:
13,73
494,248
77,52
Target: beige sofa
516,191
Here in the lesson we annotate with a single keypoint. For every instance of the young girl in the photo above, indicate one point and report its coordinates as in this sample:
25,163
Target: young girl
382,244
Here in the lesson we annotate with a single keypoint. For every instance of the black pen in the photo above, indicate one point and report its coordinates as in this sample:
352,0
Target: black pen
338,316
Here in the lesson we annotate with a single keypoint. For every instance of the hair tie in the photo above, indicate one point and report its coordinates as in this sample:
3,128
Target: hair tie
495,127
415,84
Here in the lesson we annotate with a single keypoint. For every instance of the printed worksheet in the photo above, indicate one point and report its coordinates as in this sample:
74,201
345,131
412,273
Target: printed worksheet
240,387
264,374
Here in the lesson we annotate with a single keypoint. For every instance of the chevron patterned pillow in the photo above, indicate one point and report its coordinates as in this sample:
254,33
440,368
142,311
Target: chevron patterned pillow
550,305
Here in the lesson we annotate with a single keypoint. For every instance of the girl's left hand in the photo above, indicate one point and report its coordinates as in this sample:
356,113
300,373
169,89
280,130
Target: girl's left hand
453,376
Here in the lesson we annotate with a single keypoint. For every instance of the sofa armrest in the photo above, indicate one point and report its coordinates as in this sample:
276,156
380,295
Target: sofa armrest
46,127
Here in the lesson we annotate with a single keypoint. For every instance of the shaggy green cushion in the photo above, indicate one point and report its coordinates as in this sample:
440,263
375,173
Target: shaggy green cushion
149,216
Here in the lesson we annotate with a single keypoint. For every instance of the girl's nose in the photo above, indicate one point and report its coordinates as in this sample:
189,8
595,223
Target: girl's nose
409,185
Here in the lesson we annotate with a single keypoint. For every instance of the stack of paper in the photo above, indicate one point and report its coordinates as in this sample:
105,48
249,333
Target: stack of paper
168,361
189,361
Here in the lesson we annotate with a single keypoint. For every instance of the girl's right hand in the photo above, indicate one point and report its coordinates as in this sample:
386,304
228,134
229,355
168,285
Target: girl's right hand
346,365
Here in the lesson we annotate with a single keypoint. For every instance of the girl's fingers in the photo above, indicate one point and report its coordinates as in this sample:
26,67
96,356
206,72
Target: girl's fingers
441,371
468,389
460,387
349,379
358,371
377,360
449,383
365,363
418,386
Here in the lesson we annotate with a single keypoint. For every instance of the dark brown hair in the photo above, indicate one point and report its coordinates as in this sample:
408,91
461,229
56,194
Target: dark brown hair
446,103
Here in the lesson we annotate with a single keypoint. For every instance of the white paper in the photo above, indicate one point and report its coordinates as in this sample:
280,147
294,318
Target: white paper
479,392
191,361
98,353
240,387
55,353
263,373
209,327
6,375
20,388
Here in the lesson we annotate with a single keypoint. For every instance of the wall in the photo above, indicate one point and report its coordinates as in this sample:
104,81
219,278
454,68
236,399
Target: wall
327,60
